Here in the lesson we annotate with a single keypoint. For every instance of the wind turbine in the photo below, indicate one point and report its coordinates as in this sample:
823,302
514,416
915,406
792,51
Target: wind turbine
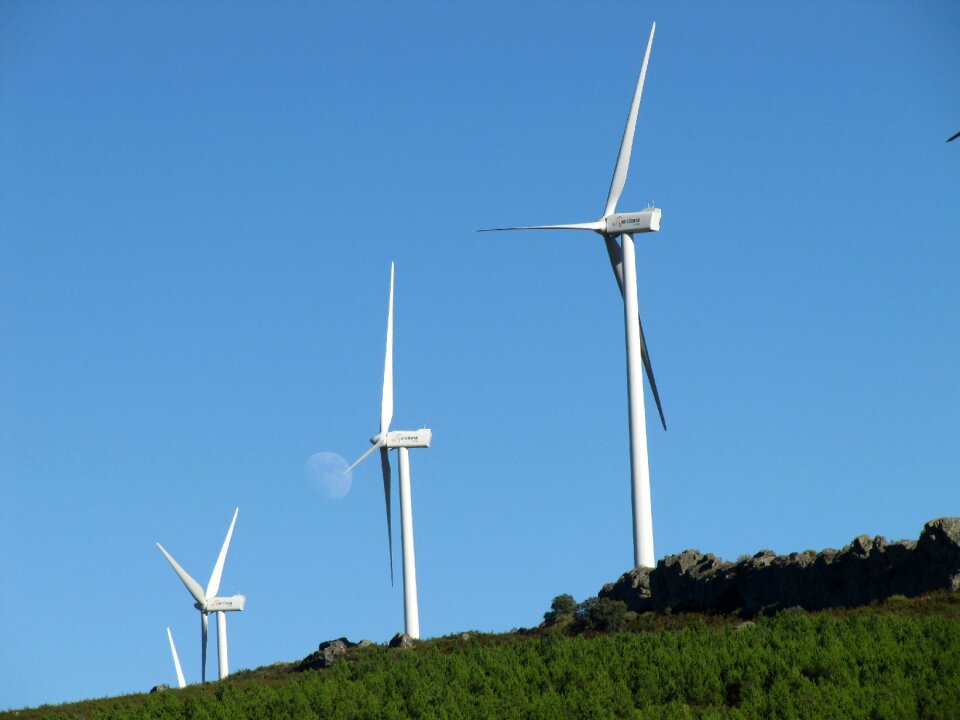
208,602
623,262
176,661
401,440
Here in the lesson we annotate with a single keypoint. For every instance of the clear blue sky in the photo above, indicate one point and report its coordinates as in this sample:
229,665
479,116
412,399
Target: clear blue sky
198,209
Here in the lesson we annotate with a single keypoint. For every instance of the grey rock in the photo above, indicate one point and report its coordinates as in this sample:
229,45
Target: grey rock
939,546
865,571
632,589
690,581
365,643
861,545
326,655
159,688
767,582
402,640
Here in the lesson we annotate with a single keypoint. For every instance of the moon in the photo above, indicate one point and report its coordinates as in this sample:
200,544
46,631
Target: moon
325,471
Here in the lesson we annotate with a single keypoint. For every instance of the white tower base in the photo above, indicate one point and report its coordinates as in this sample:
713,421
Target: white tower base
639,465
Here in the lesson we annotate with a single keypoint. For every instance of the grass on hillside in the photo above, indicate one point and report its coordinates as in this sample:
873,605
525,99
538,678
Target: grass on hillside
898,660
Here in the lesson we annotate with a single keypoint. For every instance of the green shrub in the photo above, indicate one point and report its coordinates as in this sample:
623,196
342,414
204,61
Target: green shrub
602,614
563,606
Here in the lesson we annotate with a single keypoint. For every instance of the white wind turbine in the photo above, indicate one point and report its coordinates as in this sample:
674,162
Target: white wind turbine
623,263
386,440
176,661
208,602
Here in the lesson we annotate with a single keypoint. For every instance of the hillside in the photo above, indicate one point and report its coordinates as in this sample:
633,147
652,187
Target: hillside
868,631
896,659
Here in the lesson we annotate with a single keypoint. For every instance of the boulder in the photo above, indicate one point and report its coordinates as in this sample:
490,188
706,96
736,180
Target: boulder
326,655
402,640
632,589
939,550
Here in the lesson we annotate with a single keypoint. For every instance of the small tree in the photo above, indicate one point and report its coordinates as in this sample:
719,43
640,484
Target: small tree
602,614
563,606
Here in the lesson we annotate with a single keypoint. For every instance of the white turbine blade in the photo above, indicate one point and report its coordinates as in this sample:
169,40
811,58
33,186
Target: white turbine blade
626,144
192,585
386,402
385,468
596,226
364,456
176,661
213,587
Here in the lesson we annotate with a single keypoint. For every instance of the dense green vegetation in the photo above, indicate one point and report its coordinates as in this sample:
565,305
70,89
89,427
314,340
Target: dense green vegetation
898,660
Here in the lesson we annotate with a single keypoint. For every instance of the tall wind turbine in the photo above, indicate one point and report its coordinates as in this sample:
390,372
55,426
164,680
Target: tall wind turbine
385,441
176,661
208,602
623,262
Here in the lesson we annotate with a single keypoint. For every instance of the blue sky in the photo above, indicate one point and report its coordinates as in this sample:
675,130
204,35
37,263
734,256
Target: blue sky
198,210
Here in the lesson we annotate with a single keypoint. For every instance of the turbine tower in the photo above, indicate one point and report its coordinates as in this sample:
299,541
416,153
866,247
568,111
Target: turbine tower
623,262
208,602
401,440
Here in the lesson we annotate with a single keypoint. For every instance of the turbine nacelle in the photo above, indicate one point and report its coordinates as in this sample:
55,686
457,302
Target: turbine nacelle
396,439
632,222
222,604
403,438
409,438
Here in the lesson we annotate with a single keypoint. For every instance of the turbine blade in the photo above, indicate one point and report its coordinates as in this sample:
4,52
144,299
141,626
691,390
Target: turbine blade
626,144
616,262
213,587
951,139
203,647
363,457
192,585
616,259
386,402
385,466
648,367
596,226
176,661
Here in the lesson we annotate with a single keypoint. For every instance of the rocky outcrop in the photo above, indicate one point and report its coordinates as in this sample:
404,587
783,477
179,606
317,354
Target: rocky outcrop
327,654
939,548
866,570
402,640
